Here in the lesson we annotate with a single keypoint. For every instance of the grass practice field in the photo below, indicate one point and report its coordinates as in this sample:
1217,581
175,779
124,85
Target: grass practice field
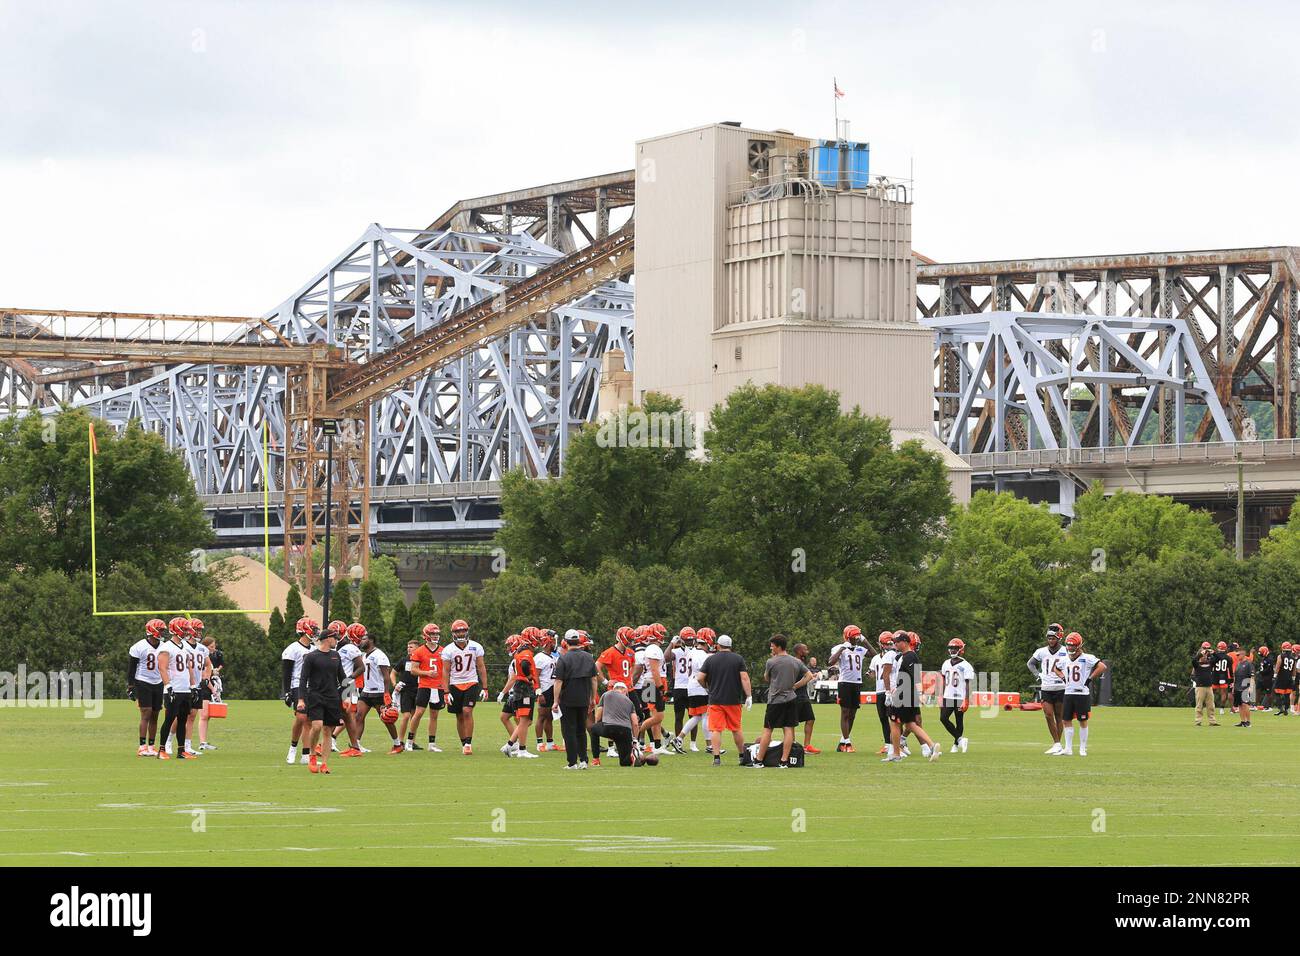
1154,790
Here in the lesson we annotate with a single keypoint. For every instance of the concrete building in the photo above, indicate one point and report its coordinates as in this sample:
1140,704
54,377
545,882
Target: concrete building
766,257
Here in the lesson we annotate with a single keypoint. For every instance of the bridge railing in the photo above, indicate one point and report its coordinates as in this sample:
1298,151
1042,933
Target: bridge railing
1137,455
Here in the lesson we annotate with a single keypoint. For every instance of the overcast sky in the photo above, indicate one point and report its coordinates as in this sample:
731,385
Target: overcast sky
210,157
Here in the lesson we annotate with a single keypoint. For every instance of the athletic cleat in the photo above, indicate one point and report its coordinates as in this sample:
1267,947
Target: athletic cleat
506,749
526,753
350,752
434,749
572,766
717,761
694,748
595,761
810,749
334,746
963,744
1083,751
933,755
203,747
1053,751
467,750
925,750
312,766
149,751
164,755
582,765
891,758
304,759
143,751
412,745
676,744
396,749
612,751
188,753
324,767
293,753
364,750
1065,753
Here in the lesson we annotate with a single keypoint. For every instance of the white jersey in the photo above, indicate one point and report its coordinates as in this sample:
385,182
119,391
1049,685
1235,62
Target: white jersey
178,667
1045,660
878,665
351,656
681,669
295,652
652,652
697,656
376,660
850,661
955,675
1077,671
545,664
196,655
146,662
462,662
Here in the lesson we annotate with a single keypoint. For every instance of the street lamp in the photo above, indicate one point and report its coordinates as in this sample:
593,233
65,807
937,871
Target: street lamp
357,573
329,428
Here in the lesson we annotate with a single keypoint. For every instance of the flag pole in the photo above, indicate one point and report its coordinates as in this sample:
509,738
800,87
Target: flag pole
835,98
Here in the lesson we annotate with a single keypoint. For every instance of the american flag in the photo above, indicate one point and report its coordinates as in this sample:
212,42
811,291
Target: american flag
839,93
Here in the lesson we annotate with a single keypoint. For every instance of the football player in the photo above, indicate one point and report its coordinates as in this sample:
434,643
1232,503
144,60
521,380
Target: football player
544,658
196,655
376,687
1222,675
467,675
426,664
1042,664
179,692
290,676
145,685
1076,671
697,698
848,656
507,713
648,680
957,675
520,693
617,662
1284,678
345,645
677,660
804,705
404,691
879,664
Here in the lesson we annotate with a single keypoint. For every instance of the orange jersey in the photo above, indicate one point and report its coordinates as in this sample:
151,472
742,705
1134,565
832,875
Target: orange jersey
429,659
618,663
526,667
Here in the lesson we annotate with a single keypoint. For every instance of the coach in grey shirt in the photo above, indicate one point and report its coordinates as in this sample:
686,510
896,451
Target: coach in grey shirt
615,720
784,675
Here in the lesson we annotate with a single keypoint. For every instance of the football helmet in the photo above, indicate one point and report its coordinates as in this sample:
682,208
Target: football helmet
956,646
431,632
156,628
307,626
852,633
178,627
356,632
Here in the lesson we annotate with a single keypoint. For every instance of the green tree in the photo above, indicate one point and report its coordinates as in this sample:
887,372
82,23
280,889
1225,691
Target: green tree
423,610
372,611
399,626
625,494
146,509
1110,532
341,602
293,610
1283,543
1024,624
800,492
275,631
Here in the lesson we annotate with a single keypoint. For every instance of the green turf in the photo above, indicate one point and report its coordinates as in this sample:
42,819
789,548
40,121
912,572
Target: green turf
73,792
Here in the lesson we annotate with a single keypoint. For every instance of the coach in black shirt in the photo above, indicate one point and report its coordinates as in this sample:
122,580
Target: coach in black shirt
1203,680
320,697
575,693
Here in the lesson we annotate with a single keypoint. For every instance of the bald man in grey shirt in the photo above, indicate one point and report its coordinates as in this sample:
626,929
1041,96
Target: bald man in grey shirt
616,720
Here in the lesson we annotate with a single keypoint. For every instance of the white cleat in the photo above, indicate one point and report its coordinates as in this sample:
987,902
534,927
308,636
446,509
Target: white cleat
207,746
892,758
1065,753
934,753
293,752
526,753
694,749
364,750
1083,751
963,744
507,750
434,749
334,746
582,765
925,750
305,760
1053,751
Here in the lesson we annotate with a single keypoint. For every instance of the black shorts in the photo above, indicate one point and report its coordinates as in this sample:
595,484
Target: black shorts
373,701
203,694
521,699
850,693
1239,697
149,696
1054,696
406,700
680,699
1077,707
458,700
782,715
430,697
292,702
546,699
652,696
806,711
1282,687
328,712
639,705
905,715
695,703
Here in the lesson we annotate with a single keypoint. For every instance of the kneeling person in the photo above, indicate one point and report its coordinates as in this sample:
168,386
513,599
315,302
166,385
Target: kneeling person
616,720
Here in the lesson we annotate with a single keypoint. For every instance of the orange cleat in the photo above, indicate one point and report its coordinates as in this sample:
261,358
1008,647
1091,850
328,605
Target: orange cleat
324,767
189,755
595,761
810,749
164,755
350,752
311,764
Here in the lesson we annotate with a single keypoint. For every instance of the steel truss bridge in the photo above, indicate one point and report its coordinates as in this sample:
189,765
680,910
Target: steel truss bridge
451,354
